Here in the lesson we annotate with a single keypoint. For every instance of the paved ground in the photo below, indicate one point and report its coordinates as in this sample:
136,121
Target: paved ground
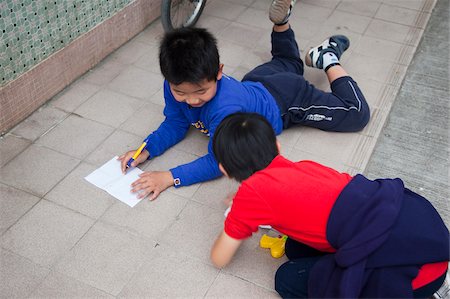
414,145
62,237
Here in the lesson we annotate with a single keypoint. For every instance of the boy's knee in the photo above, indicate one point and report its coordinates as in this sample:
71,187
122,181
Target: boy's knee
281,276
355,122
362,120
290,281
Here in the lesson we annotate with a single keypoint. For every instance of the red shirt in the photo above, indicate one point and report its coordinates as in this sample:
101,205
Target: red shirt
296,198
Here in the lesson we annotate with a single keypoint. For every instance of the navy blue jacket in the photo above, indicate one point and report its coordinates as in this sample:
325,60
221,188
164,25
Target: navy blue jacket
383,234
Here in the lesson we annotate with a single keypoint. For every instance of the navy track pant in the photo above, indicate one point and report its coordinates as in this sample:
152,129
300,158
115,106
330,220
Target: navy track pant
343,110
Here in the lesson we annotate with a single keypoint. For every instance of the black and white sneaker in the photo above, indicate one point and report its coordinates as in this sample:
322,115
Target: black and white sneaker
280,10
444,290
328,53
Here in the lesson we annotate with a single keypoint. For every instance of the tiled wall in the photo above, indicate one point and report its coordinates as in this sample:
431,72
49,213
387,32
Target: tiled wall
45,45
33,30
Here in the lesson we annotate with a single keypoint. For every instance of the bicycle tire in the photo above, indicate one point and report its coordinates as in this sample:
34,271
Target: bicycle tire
180,13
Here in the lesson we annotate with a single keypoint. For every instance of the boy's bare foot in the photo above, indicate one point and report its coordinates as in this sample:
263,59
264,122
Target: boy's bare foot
280,10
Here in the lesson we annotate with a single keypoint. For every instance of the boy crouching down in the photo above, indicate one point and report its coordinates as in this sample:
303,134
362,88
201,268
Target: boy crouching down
349,237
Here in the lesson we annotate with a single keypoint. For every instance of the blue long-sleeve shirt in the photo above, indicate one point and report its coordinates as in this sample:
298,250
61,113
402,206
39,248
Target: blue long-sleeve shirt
231,96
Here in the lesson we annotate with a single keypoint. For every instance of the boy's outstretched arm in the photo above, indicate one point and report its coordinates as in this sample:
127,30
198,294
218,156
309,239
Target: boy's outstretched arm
152,183
224,249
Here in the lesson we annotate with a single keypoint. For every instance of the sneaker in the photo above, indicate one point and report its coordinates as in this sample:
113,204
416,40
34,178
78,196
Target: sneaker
280,10
444,290
334,46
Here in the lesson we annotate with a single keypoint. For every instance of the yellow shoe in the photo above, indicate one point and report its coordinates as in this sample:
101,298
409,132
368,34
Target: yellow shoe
276,244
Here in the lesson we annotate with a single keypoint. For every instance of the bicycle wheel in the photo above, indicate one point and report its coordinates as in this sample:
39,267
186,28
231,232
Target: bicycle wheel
180,13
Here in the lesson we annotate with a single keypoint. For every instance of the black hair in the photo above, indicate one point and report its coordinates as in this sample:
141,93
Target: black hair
244,143
189,55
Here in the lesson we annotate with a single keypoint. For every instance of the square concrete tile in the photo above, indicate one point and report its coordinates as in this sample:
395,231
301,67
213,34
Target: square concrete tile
239,72
385,50
254,58
255,264
214,193
330,145
394,32
225,10
229,286
298,155
261,4
39,122
75,95
18,275
365,67
130,52
116,144
157,98
215,25
242,2
171,159
195,143
311,12
317,78
231,54
11,146
104,72
76,136
289,137
136,82
147,219
253,17
37,170
400,15
350,21
325,3
422,5
243,35
304,28
105,258
144,121
178,276
151,35
57,285
15,203
366,8
150,60
46,233
77,194
372,91
195,231
109,108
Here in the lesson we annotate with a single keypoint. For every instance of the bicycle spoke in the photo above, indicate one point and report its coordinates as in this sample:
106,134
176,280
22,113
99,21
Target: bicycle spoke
183,12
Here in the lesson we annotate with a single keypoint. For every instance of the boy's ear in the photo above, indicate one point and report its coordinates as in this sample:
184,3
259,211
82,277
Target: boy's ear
279,146
220,72
222,170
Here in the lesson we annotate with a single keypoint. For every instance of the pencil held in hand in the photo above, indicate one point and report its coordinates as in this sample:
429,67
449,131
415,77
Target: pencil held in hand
136,154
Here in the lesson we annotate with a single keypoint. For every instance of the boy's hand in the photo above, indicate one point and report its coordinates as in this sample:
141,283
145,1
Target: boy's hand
229,199
127,156
152,181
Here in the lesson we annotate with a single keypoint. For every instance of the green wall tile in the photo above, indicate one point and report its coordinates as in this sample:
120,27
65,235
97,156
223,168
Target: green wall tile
33,30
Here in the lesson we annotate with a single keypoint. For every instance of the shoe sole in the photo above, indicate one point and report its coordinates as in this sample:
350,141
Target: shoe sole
278,11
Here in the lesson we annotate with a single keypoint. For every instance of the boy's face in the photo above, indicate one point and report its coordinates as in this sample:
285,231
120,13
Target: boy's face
195,94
